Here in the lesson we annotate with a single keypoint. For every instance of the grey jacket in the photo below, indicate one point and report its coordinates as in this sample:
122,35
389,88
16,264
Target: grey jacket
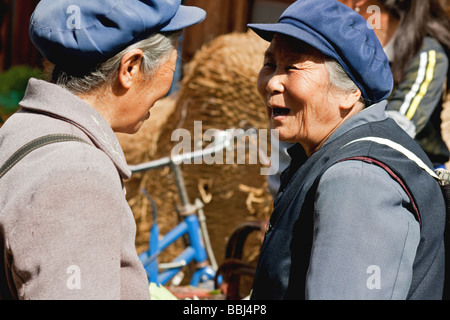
66,229
346,230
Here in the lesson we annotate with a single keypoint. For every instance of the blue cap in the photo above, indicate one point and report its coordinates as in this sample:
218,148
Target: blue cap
77,33
339,33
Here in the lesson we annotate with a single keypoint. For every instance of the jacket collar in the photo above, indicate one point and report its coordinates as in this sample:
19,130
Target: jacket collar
374,113
51,99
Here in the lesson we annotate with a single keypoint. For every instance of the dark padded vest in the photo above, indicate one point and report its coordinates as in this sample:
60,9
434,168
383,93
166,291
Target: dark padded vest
285,253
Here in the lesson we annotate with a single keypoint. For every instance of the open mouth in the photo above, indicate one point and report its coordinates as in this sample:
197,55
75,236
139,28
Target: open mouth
279,112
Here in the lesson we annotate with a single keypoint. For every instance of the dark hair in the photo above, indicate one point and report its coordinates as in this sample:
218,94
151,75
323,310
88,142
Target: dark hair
419,18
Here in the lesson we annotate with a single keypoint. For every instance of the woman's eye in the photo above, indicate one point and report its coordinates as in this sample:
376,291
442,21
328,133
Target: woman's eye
269,65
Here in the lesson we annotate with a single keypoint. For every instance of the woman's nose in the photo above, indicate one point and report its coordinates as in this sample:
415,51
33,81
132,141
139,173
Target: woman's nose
275,83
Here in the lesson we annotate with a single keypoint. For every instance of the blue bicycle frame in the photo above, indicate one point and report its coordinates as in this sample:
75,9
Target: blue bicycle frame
191,226
195,251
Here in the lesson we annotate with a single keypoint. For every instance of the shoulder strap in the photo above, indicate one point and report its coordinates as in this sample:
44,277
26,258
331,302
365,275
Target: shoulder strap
33,145
403,150
441,175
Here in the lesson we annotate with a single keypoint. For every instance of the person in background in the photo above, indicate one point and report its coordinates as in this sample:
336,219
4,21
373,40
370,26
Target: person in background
356,217
415,35
67,231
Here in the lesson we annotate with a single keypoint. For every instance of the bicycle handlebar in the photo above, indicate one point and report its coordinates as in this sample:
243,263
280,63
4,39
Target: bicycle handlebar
221,141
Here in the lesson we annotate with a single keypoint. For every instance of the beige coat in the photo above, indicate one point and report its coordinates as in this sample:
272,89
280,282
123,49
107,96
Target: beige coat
66,230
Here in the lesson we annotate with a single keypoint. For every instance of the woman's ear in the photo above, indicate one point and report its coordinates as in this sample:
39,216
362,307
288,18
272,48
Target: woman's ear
351,102
129,70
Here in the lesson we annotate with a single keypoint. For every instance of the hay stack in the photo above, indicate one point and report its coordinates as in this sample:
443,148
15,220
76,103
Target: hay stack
219,89
219,86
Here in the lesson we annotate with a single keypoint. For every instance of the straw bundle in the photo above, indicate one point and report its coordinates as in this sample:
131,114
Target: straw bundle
219,86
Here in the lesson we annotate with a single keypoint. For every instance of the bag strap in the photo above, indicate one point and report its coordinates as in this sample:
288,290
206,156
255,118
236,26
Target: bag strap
405,152
33,145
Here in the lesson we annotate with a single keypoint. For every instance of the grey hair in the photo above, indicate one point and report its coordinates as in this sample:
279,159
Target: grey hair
339,79
156,49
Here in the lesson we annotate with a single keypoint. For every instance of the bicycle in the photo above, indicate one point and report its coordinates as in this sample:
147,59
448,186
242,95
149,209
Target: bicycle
193,224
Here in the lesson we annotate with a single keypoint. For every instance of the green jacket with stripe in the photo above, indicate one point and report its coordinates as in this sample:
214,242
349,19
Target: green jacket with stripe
419,98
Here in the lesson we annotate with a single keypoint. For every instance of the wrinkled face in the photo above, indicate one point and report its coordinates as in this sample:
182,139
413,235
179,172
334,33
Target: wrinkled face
145,95
294,83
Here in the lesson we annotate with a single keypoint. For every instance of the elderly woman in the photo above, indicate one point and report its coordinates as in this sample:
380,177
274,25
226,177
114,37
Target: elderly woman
67,231
354,217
